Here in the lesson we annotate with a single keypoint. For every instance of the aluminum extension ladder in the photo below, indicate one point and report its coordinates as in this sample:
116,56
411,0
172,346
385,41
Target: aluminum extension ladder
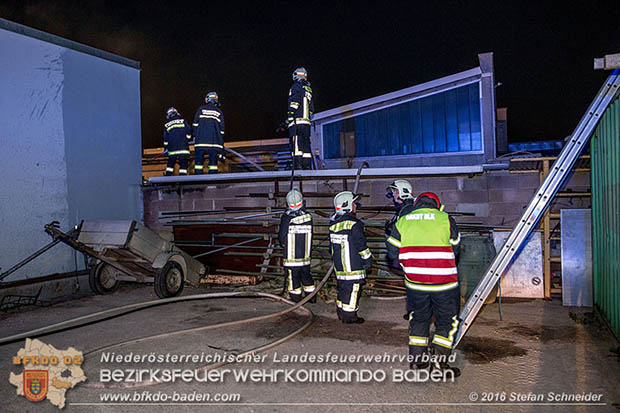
537,206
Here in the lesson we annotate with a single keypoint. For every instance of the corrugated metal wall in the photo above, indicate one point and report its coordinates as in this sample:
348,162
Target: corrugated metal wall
605,150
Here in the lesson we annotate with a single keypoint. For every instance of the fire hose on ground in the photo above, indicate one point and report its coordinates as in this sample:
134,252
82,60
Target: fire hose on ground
119,311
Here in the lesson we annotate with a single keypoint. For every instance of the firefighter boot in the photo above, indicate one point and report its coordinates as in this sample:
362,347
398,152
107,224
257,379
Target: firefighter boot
306,163
313,300
419,366
351,318
445,367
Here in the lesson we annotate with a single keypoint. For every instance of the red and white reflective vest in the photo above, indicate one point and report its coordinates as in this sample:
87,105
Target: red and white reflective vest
426,238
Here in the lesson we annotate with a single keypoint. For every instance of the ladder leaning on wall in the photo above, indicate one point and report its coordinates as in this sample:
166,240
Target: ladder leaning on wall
539,203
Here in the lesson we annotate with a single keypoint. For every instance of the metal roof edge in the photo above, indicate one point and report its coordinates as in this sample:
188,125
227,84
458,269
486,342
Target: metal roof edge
69,44
319,173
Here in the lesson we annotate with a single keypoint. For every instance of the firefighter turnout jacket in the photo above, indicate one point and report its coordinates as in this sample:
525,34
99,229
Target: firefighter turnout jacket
176,136
209,127
426,242
300,103
295,236
348,247
403,209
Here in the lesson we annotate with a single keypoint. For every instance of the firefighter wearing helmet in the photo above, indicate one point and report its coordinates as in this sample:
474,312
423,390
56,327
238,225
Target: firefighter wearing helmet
176,141
300,110
208,134
295,236
427,242
401,193
350,254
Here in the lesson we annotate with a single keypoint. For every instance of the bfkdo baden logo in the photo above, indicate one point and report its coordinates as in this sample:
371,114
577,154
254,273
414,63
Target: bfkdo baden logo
48,372
36,384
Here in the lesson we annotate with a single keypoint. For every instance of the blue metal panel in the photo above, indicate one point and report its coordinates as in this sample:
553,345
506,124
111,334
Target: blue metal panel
416,125
427,125
439,123
452,121
474,116
464,131
445,122
331,140
404,128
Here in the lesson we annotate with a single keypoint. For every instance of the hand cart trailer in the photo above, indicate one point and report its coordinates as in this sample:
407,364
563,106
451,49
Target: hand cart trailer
129,251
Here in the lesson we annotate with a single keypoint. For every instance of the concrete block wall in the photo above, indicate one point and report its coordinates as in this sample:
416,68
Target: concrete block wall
495,197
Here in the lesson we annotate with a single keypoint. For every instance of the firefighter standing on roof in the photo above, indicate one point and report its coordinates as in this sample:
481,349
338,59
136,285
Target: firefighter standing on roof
426,242
295,236
300,109
350,254
176,137
208,134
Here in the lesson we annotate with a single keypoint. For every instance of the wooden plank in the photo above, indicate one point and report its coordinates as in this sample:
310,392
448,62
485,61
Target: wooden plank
152,175
543,158
545,240
155,167
152,151
253,143
574,194
257,143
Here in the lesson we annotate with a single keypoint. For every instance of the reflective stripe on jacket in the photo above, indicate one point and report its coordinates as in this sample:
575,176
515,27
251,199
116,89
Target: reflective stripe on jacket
295,236
208,126
176,136
348,247
300,104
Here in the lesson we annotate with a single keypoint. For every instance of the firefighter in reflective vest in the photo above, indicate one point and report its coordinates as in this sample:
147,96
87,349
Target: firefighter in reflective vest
295,236
208,134
427,240
300,109
350,254
176,138
401,193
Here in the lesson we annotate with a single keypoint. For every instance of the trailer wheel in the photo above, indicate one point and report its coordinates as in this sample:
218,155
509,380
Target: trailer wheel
170,280
102,279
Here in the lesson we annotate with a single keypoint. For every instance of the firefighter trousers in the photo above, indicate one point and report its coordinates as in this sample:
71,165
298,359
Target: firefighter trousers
172,160
299,142
199,160
421,306
348,300
299,280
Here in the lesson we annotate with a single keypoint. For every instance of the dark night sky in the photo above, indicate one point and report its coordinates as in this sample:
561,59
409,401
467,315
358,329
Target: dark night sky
353,50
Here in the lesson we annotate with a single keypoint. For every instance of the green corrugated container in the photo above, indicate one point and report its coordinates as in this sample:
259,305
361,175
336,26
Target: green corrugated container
605,151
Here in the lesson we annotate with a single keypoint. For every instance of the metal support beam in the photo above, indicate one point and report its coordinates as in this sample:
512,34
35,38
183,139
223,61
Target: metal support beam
322,174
